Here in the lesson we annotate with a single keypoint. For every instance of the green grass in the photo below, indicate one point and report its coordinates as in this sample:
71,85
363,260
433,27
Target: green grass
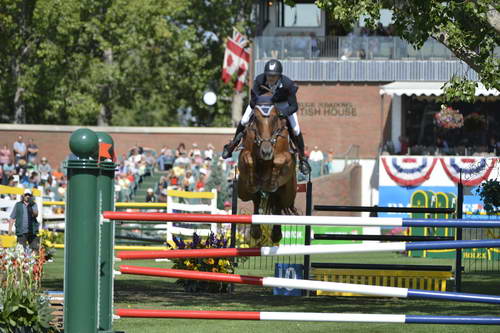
160,293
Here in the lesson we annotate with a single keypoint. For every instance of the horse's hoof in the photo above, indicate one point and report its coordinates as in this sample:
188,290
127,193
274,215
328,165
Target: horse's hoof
255,232
276,234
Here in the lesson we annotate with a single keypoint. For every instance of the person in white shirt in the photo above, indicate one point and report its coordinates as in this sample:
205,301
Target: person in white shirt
316,155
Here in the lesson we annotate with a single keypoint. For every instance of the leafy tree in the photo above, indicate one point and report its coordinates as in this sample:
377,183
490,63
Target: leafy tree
122,62
469,28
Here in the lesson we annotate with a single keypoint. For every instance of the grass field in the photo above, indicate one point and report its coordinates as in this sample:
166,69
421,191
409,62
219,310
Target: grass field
161,293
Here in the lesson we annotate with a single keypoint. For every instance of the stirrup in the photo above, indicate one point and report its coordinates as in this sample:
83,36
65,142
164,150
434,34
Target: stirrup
304,166
227,152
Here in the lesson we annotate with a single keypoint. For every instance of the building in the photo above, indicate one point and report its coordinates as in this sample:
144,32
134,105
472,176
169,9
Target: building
371,89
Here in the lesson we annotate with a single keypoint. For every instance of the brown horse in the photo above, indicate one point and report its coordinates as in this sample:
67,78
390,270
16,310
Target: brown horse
267,167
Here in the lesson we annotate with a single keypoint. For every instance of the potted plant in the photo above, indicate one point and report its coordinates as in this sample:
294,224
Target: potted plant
474,122
489,191
449,118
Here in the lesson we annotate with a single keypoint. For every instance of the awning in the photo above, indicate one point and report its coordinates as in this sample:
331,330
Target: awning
426,88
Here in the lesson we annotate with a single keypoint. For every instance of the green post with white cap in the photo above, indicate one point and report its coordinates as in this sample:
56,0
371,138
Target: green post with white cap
81,247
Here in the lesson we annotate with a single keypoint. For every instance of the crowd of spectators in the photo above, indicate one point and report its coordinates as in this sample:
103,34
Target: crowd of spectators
22,166
187,170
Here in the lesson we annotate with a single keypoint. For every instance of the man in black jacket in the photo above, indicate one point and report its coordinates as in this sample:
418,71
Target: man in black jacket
24,214
284,96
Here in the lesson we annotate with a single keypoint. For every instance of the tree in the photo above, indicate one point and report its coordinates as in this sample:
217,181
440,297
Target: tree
122,62
469,28
218,180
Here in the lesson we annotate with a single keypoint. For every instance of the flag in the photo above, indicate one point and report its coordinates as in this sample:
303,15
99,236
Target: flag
239,38
104,151
236,60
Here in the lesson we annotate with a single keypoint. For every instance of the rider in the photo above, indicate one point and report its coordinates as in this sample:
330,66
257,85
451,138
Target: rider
283,90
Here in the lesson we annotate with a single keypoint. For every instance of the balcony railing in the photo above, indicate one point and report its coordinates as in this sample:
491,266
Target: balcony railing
349,48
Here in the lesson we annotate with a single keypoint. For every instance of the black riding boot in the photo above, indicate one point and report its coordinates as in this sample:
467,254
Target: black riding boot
304,166
229,148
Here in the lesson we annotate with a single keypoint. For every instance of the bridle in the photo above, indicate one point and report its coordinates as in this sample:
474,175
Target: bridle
274,136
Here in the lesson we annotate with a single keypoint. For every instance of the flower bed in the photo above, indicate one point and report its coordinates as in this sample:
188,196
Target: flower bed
22,303
219,265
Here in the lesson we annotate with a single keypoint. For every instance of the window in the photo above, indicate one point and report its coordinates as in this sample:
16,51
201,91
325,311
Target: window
301,15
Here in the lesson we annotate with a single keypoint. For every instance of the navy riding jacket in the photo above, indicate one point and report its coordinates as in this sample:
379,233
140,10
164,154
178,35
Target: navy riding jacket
286,92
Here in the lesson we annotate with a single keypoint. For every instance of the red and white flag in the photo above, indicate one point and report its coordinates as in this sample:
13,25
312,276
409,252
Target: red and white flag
236,60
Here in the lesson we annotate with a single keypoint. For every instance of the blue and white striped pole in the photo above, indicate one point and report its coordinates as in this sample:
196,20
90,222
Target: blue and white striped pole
273,282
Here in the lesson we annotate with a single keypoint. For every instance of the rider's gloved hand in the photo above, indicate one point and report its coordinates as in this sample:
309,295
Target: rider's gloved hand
283,114
282,111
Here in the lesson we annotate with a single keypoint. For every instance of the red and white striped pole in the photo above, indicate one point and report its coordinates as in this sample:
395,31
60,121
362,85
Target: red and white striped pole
309,316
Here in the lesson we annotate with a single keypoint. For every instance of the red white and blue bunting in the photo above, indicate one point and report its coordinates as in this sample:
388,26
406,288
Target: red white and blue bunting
415,170
473,169
409,171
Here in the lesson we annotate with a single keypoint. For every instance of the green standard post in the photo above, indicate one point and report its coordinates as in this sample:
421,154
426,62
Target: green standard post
105,201
82,220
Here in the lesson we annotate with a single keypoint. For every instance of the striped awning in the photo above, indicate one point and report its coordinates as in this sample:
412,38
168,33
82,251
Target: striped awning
426,89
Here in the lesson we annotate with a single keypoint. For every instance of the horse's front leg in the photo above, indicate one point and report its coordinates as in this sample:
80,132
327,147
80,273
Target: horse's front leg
249,165
279,162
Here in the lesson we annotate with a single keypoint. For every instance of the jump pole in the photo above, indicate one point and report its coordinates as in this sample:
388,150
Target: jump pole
307,249
273,282
301,220
309,316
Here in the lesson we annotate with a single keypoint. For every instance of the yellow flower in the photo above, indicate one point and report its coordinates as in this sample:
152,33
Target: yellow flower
210,261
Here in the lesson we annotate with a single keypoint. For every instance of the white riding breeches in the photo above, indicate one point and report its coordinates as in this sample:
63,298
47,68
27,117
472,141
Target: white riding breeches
294,121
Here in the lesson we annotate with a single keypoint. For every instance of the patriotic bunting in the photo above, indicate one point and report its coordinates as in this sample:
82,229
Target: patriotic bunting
474,169
409,171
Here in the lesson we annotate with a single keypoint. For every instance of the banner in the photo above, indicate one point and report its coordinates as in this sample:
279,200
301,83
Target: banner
472,170
411,171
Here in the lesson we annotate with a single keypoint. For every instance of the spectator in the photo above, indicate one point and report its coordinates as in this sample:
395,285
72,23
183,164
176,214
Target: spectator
306,151
314,45
45,170
32,151
316,160
150,195
200,184
195,151
9,169
442,145
209,153
330,162
188,182
316,155
150,162
134,157
493,146
181,150
166,159
19,148
5,155
24,215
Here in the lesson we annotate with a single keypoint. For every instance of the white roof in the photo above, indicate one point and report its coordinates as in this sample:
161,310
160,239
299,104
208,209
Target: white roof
426,88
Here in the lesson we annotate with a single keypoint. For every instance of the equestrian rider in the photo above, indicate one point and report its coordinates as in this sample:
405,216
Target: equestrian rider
283,90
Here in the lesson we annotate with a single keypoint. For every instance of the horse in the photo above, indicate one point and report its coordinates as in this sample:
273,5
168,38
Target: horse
267,166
